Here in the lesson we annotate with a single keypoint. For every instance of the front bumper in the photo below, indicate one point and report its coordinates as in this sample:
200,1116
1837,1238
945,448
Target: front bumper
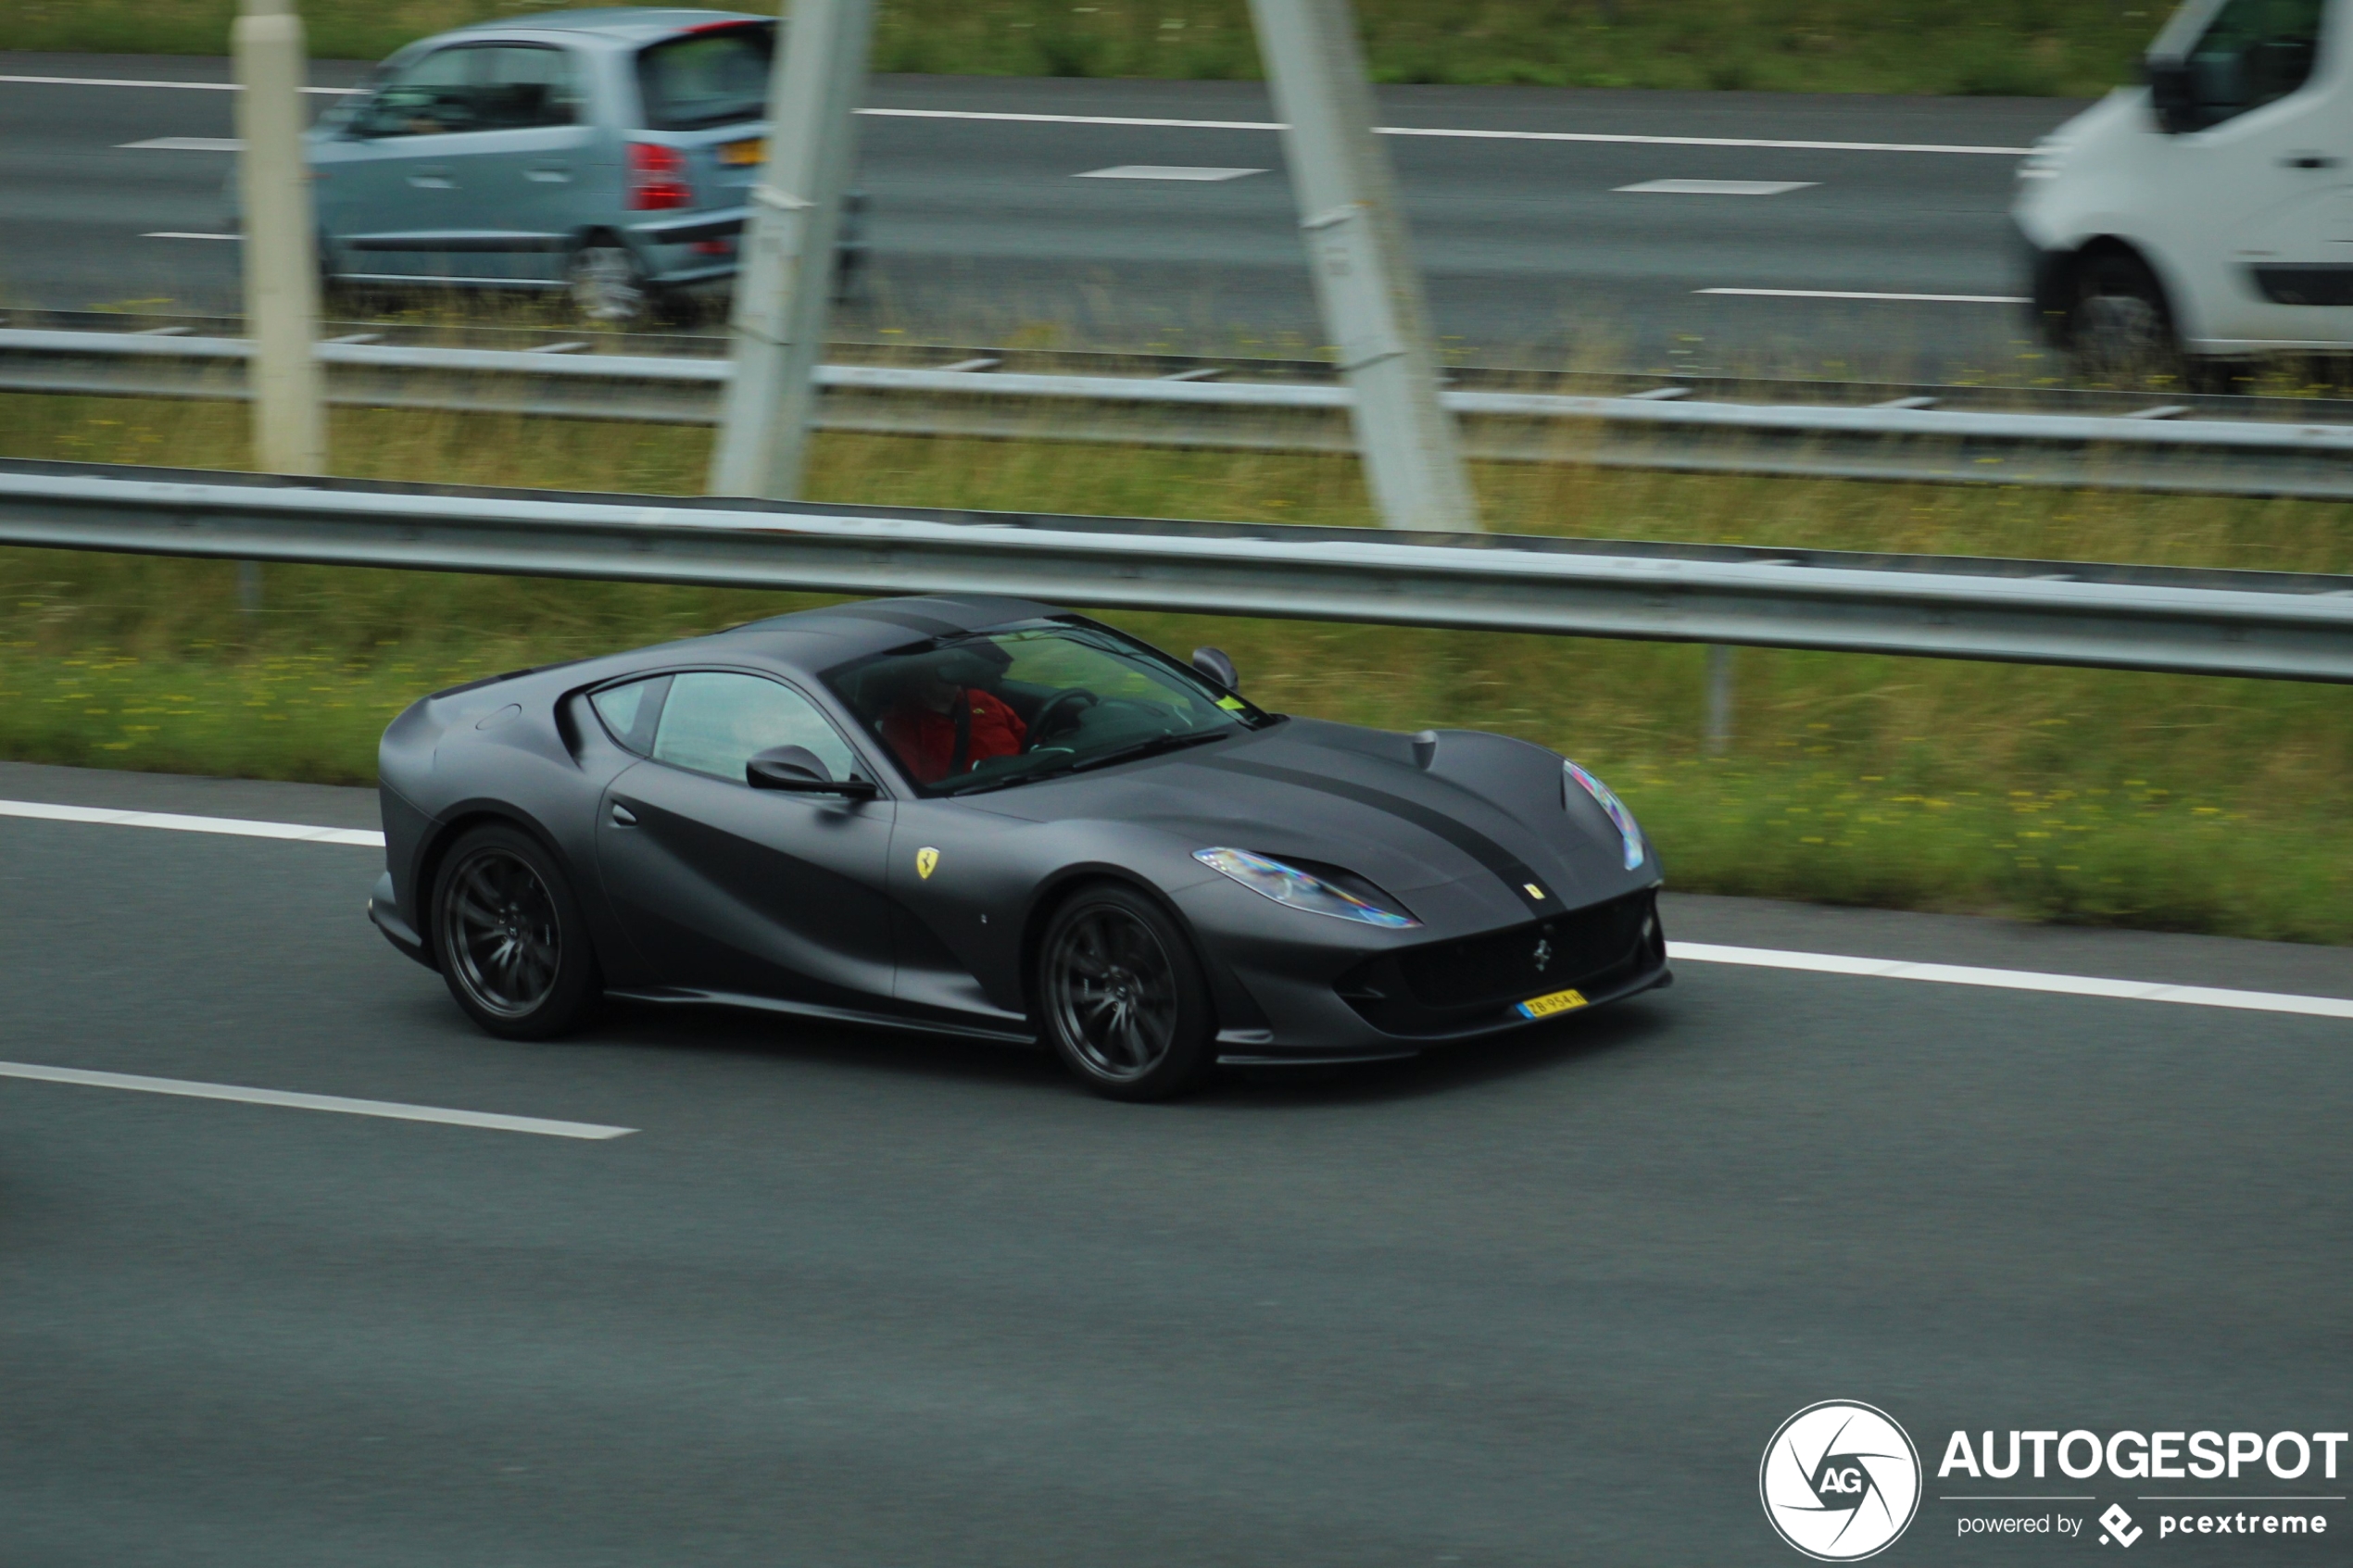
1399,1000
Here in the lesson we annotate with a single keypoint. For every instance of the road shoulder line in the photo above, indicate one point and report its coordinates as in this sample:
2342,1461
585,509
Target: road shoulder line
2014,980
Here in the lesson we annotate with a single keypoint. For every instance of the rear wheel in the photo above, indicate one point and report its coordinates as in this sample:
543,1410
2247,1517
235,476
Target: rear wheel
608,286
1122,996
510,937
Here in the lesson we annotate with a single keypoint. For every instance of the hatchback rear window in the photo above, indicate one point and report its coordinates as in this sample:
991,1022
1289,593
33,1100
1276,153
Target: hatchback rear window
706,78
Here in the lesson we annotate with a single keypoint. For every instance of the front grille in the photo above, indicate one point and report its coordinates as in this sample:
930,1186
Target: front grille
1528,961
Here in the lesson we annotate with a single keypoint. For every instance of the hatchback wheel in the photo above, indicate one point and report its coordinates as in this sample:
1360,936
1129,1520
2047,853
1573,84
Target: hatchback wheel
1123,999
609,286
509,938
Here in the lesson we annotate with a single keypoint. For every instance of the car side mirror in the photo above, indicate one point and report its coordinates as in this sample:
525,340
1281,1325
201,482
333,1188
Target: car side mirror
1213,663
2171,95
797,769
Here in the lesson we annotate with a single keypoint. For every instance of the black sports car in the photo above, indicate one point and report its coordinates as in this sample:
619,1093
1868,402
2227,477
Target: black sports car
991,818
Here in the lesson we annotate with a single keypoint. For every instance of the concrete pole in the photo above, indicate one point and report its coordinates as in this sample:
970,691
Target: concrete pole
784,280
1365,283
280,249
1718,736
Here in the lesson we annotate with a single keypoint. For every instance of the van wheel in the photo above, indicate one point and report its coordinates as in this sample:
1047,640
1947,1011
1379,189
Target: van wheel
609,286
2121,330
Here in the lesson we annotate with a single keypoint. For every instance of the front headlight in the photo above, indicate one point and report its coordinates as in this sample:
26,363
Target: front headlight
2043,161
1629,832
1300,890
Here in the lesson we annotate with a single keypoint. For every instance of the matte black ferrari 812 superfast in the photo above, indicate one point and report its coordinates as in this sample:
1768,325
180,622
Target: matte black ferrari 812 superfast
991,818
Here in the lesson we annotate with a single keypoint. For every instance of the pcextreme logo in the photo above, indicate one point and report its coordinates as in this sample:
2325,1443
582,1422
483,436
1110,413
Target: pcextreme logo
1839,1481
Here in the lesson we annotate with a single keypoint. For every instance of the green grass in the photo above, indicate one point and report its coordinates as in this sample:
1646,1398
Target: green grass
2153,801
2075,48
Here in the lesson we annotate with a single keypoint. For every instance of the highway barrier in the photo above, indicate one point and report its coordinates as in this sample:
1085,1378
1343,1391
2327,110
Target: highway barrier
2135,450
2207,622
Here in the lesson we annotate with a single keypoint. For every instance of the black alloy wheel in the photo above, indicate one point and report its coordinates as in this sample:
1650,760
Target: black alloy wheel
1122,995
509,938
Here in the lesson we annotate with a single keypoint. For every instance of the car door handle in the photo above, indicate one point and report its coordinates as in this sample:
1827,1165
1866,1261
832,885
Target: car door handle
435,177
623,817
549,173
2309,161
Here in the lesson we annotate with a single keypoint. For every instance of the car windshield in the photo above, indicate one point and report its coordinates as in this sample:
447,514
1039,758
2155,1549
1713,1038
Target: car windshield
1029,701
706,78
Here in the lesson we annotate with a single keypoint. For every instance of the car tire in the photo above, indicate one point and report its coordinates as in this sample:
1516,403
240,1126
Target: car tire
1121,998
509,938
2121,330
609,286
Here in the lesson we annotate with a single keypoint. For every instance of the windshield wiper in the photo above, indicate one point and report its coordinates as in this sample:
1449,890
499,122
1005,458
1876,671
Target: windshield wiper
1151,747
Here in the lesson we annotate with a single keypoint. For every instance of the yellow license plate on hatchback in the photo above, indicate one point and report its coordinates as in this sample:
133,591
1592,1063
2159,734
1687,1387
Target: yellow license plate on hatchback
742,155
1545,1007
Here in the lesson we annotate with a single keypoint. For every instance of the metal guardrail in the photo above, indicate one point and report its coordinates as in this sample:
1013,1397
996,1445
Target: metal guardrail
2307,459
2273,625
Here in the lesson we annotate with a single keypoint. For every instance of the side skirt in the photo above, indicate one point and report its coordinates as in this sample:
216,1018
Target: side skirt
677,996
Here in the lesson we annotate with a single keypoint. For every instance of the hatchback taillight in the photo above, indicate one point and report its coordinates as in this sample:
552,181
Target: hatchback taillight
658,178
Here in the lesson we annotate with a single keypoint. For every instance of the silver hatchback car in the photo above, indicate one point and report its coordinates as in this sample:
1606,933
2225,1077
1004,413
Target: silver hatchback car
609,152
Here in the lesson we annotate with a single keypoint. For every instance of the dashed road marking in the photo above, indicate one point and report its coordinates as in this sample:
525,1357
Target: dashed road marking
387,1110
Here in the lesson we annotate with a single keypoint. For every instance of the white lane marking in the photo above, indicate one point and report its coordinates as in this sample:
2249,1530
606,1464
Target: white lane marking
1857,294
237,827
184,145
192,86
1607,137
389,1109
2015,980
180,234
1222,124
1694,952
1164,171
1718,187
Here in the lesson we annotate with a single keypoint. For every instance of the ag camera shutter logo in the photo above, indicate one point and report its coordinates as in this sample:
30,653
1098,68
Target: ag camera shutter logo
1839,1481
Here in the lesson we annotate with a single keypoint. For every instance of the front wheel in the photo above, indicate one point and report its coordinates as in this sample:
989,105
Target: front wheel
509,938
1122,996
2122,330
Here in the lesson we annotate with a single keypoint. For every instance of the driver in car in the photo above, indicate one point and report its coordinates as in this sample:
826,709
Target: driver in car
942,725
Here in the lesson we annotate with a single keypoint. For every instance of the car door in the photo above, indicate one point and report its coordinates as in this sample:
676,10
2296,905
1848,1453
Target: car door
2256,196
728,889
386,182
520,174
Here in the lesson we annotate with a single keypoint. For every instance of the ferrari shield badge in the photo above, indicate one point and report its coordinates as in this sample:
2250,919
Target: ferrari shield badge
927,859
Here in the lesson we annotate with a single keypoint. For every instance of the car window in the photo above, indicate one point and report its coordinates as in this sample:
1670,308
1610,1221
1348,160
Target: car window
519,86
434,97
2255,52
629,711
706,78
714,722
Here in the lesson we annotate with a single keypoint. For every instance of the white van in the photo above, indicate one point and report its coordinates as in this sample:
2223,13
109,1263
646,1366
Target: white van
2208,216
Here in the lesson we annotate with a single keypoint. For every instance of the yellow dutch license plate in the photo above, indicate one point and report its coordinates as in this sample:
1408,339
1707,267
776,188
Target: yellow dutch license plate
1545,1007
742,155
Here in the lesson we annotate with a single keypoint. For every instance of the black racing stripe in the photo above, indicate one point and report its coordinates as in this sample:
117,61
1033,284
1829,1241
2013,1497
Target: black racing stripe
1515,873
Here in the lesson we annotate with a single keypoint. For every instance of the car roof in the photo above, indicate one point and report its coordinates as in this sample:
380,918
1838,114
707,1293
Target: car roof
630,23
853,631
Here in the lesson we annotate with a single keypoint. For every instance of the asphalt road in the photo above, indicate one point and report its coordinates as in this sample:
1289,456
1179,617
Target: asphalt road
850,1298
982,232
